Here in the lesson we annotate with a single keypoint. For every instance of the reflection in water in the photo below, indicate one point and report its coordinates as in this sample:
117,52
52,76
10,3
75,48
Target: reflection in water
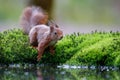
45,74
59,73
39,75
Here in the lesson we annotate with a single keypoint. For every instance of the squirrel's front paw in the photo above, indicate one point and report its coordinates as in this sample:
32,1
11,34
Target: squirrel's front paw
52,52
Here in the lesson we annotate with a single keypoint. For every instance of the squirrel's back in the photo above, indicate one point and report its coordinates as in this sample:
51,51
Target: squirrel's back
37,33
31,17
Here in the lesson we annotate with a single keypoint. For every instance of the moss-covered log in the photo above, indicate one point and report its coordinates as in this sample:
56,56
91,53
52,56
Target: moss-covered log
97,48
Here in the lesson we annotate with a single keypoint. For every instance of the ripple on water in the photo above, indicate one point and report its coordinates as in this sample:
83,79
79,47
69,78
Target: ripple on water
101,68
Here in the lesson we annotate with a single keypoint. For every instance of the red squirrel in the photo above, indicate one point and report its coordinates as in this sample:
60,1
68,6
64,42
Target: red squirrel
41,36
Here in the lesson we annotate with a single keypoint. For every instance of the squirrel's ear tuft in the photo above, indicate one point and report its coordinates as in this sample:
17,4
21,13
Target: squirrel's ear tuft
48,23
51,28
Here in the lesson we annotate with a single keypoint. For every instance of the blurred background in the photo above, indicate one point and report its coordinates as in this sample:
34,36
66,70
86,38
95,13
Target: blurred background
81,16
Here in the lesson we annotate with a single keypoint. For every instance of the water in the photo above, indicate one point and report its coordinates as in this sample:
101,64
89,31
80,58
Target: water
62,72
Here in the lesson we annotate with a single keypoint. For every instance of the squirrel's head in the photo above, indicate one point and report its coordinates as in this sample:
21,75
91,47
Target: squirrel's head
55,32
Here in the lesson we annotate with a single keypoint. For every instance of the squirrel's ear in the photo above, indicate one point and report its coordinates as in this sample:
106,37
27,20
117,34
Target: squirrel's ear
56,26
51,28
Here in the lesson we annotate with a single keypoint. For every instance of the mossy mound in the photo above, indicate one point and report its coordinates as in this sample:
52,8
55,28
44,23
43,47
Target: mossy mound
97,48
14,48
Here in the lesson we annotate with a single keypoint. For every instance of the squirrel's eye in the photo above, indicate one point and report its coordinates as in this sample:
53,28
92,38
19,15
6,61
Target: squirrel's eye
55,33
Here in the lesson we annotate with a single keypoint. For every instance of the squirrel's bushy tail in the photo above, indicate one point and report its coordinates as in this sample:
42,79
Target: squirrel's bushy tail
31,17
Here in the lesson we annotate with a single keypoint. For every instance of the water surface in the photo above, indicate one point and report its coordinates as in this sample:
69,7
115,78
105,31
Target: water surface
64,72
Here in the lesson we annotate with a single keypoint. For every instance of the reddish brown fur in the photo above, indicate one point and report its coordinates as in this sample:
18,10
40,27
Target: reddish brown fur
34,40
27,13
42,46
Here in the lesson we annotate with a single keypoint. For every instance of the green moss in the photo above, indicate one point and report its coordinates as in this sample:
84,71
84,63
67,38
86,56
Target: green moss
92,49
97,48
14,47
100,53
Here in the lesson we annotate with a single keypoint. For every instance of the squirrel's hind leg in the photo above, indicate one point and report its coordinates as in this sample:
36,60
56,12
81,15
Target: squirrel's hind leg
52,51
41,47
